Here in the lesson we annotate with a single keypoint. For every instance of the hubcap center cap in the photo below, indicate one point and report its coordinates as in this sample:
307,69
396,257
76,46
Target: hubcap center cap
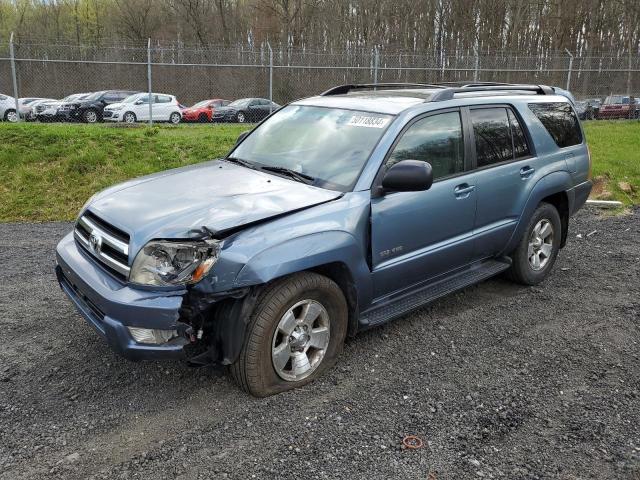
299,339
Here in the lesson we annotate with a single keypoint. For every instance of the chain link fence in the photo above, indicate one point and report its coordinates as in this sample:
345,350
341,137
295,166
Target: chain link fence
283,74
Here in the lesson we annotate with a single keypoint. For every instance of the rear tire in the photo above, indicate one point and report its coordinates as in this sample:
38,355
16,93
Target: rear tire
242,118
295,334
202,118
538,249
90,116
175,118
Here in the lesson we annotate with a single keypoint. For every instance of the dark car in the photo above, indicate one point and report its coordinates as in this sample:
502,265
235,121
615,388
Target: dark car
588,109
90,109
245,110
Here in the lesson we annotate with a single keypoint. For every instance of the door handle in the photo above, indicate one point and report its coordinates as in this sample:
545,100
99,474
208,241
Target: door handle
463,190
526,172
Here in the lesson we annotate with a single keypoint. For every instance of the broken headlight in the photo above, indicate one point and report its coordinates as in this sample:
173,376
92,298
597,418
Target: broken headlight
166,263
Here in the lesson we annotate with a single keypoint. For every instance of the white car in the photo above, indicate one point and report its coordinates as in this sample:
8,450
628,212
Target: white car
135,108
25,106
8,108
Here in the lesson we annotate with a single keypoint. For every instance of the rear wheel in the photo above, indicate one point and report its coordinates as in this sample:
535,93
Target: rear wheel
296,332
202,118
538,249
129,117
175,118
242,118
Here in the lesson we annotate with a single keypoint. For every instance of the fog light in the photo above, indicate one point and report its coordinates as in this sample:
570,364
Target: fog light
154,336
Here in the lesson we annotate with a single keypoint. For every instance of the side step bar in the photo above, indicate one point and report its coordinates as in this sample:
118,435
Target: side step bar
405,303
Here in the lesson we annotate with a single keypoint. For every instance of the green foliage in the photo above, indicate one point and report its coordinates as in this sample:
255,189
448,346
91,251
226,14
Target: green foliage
48,171
615,151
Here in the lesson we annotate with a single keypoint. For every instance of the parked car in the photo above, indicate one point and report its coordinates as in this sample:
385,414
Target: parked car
29,113
619,106
338,213
135,108
48,111
203,111
90,108
588,109
8,108
25,104
245,110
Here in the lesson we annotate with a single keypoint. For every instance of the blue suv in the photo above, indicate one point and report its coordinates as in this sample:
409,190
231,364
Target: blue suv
337,213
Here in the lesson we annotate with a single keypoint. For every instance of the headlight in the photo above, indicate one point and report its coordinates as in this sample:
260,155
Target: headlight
166,263
118,107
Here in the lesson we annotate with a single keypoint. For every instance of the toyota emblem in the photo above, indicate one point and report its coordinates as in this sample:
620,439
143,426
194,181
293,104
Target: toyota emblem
95,242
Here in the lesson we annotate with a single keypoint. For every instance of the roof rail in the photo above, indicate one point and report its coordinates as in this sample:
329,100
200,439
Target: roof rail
342,89
448,93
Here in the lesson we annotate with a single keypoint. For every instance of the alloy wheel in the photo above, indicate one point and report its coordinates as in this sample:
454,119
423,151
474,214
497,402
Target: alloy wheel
12,116
300,340
540,245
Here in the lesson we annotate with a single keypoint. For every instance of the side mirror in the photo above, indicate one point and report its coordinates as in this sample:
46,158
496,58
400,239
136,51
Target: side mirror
242,136
408,176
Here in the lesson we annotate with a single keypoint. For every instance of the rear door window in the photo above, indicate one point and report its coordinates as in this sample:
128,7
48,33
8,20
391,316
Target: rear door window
560,121
492,131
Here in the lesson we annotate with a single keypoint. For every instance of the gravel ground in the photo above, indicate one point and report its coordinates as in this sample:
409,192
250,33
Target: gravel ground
500,381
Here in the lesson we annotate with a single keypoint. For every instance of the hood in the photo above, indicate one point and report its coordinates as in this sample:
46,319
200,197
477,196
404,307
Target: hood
216,194
114,106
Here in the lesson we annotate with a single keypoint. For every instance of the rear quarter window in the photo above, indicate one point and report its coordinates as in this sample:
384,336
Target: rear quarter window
560,121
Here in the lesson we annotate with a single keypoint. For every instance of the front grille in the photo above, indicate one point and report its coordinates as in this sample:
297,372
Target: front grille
107,113
106,243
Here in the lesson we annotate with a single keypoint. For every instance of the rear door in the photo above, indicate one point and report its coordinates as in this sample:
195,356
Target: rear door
505,171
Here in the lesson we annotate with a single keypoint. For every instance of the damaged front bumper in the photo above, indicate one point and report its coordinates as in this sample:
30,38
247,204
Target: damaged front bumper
111,306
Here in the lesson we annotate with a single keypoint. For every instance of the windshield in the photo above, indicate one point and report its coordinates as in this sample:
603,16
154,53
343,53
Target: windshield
240,103
203,103
95,96
616,100
133,98
331,145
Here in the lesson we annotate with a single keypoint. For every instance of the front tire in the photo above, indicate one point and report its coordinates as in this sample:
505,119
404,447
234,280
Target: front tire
295,334
129,117
11,116
538,249
90,116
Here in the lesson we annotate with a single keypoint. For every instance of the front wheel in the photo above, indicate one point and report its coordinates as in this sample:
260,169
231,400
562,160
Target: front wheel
129,117
11,116
538,249
296,332
90,116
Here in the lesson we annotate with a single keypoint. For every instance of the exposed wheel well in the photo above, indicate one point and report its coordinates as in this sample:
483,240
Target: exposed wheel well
561,202
339,273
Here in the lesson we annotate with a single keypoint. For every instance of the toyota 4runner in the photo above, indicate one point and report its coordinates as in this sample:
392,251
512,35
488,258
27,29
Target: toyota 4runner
337,213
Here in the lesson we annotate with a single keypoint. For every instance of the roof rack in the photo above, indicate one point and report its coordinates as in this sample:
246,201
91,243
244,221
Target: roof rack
448,93
342,89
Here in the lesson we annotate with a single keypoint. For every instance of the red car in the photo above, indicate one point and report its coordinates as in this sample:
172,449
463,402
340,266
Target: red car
203,111
619,106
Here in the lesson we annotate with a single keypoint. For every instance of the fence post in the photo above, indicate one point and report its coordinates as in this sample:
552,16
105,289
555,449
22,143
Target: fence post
270,77
14,77
570,67
476,65
376,63
149,81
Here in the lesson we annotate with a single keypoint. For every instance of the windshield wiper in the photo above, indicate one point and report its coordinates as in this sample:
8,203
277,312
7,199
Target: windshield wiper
240,161
300,177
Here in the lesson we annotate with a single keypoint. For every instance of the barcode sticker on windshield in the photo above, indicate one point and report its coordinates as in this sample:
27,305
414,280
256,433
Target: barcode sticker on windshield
371,122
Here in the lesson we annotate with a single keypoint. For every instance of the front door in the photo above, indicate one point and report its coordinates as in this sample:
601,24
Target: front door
417,236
